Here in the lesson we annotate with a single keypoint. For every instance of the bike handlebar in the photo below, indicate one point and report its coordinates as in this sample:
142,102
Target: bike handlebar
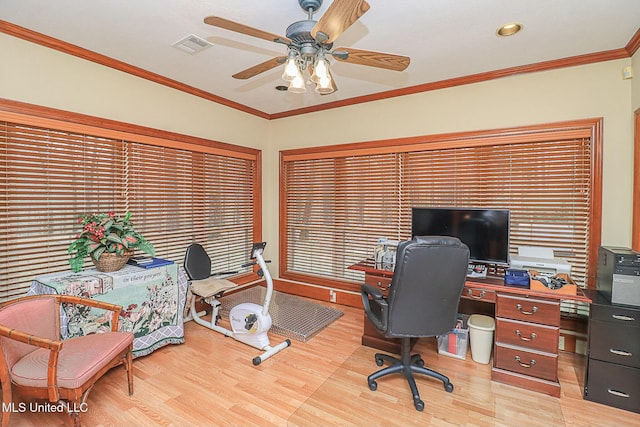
249,264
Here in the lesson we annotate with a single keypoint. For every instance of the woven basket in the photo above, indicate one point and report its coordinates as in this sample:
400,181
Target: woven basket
111,262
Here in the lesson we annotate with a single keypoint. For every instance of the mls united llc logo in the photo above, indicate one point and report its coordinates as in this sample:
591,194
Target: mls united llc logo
67,407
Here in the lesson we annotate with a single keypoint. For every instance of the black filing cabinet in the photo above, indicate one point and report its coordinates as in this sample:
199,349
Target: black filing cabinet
613,355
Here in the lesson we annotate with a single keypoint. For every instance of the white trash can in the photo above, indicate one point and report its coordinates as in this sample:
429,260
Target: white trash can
481,330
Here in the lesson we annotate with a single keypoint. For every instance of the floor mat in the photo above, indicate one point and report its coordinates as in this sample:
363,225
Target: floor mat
345,399
292,316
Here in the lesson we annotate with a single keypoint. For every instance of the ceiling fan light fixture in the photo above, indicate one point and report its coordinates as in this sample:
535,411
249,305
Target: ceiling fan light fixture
324,86
315,63
298,85
291,69
320,69
509,29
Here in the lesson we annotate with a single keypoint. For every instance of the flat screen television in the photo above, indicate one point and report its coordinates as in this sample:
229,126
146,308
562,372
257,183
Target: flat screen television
484,231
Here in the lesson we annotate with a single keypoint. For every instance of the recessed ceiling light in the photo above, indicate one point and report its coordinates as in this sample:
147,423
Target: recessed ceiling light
509,29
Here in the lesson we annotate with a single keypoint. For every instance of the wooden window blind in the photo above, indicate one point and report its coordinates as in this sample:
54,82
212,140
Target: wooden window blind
177,196
183,197
49,178
337,204
333,206
545,185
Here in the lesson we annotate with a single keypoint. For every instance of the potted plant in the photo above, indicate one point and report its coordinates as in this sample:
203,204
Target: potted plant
106,235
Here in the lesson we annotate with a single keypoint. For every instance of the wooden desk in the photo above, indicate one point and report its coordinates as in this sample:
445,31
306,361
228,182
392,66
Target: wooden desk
526,344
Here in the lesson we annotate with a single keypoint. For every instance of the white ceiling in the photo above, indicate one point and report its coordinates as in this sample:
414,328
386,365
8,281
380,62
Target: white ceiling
444,38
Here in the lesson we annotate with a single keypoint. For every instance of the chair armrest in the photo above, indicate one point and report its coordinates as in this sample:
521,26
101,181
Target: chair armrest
116,309
371,291
14,334
54,347
377,316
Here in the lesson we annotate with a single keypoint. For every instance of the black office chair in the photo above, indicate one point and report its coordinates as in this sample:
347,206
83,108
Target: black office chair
423,298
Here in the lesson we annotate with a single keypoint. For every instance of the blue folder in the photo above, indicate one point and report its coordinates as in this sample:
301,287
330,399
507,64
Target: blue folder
157,262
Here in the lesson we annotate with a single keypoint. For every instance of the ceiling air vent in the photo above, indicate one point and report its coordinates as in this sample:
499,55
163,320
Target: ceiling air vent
192,44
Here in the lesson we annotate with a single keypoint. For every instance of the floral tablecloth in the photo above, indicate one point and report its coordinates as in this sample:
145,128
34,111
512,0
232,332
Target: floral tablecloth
153,303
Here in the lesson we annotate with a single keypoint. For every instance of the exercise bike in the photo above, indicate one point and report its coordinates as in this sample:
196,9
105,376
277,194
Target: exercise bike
249,322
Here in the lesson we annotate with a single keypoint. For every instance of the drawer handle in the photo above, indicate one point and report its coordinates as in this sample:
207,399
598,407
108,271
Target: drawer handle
532,336
383,287
479,296
525,365
621,317
617,393
620,352
533,310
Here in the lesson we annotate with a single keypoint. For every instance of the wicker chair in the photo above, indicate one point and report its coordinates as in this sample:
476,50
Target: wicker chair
37,364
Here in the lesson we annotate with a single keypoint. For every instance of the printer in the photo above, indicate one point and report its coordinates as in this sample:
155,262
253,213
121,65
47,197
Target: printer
619,275
541,260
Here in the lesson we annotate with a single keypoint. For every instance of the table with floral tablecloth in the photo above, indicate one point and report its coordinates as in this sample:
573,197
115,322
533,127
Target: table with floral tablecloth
153,302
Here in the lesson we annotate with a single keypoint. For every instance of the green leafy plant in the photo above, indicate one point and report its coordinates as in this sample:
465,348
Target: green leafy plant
105,232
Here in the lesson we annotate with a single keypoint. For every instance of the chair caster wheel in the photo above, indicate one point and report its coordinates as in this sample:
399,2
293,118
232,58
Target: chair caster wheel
448,387
256,361
420,363
373,386
379,361
419,404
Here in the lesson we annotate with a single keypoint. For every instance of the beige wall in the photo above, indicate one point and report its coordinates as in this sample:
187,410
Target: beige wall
37,75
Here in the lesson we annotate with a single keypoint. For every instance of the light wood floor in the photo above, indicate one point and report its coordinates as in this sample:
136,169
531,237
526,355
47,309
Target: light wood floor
210,381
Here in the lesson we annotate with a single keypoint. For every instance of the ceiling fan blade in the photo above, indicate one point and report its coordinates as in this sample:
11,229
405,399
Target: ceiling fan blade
338,17
372,59
260,68
219,22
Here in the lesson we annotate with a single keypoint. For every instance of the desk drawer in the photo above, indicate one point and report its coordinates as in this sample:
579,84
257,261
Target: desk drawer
617,344
613,385
532,363
479,294
534,310
618,315
529,335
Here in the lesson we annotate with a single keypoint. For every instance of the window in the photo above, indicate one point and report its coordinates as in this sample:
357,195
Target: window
178,192
337,201
184,196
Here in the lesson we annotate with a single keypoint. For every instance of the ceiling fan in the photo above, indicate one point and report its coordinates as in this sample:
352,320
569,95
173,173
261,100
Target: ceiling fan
309,42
